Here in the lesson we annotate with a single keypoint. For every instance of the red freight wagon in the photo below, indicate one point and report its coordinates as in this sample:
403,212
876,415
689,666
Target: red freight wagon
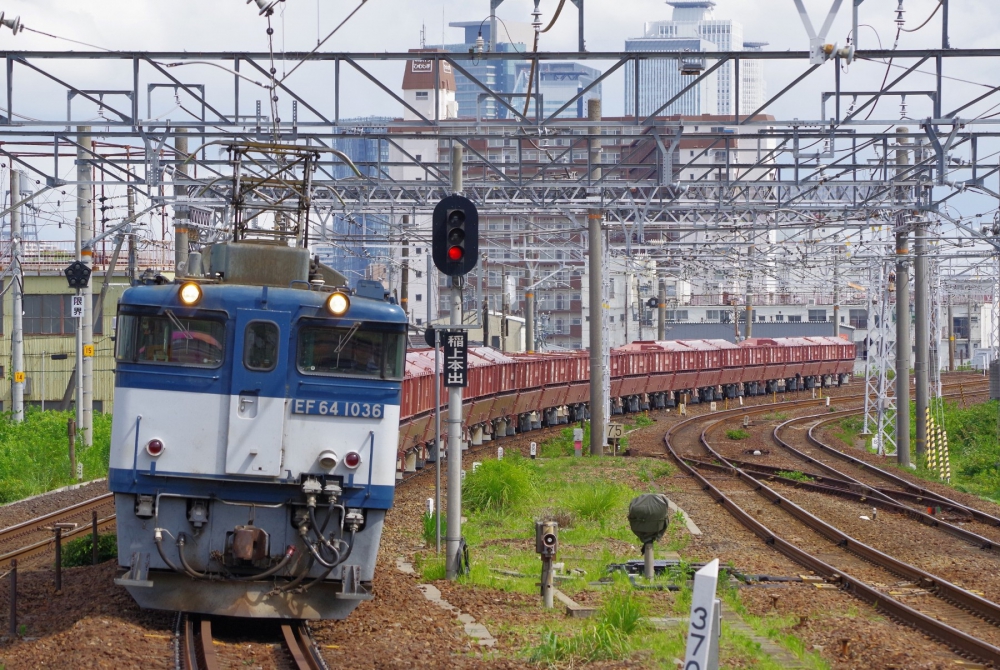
709,360
771,357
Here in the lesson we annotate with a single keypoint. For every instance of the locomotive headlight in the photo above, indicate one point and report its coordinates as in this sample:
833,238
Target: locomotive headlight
352,459
338,303
154,447
328,460
190,293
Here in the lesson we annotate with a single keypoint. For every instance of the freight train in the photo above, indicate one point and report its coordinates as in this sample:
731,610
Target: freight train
264,412
510,393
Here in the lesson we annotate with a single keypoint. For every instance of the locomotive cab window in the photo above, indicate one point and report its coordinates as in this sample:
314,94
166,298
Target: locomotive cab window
167,339
260,346
354,352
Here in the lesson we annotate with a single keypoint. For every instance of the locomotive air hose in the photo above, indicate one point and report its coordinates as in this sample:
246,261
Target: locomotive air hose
350,547
289,552
187,568
298,580
158,539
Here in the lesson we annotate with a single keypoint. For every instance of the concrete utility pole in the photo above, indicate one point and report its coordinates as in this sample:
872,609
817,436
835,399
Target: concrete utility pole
596,251
182,213
749,293
17,337
454,533
836,296
902,328
529,315
132,261
921,319
404,282
85,230
661,312
951,338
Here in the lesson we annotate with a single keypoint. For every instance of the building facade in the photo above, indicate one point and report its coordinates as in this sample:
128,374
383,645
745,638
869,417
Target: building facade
693,28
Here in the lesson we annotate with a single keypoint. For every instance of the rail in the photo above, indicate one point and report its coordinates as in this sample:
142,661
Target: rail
957,639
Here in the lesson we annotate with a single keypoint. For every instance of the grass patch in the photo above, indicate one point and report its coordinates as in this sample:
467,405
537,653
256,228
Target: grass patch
34,454
737,434
79,552
643,420
596,502
849,430
794,474
429,529
498,485
775,416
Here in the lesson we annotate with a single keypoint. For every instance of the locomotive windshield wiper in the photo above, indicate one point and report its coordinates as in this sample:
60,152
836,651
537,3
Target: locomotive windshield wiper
347,337
177,324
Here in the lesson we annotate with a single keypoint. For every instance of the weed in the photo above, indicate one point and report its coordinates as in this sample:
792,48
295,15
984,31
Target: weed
737,434
431,568
794,474
775,416
497,485
429,531
79,552
595,502
623,610
643,420
663,470
34,454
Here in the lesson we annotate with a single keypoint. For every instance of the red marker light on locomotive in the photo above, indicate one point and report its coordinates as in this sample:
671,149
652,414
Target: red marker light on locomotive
352,459
455,254
154,447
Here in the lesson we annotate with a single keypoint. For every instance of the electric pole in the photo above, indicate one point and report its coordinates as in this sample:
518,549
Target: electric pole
85,225
17,337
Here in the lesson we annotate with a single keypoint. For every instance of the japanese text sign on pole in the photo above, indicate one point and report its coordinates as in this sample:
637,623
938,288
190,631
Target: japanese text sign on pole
456,359
77,306
703,632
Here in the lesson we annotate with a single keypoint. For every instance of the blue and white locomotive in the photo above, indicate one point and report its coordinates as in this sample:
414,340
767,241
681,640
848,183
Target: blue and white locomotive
253,446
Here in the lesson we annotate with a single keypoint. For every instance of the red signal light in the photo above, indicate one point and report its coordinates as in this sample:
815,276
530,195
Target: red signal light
455,254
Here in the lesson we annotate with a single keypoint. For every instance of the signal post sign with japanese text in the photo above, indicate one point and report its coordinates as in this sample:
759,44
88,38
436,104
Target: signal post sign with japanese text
456,358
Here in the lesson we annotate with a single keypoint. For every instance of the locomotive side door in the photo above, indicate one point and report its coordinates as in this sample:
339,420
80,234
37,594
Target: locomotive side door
257,399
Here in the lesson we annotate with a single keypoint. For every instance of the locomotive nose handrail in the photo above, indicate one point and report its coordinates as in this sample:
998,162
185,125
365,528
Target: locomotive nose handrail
135,451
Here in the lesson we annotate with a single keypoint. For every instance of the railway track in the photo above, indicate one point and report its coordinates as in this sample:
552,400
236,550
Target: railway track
196,645
38,531
958,617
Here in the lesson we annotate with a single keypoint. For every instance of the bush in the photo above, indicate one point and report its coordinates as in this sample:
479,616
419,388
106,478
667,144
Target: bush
794,474
498,485
737,434
79,552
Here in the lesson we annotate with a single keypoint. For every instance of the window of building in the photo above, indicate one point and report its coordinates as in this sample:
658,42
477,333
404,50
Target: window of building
419,297
692,152
419,157
794,318
712,315
423,95
859,318
419,274
961,327
52,315
692,176
576,322
780,317
419,321
817,316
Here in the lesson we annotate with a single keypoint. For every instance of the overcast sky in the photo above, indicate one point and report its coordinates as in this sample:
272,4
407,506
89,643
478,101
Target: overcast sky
395,25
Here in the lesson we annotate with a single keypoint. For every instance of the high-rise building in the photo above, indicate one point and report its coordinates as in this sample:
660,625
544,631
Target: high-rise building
352,244
498,75
693,28
558,83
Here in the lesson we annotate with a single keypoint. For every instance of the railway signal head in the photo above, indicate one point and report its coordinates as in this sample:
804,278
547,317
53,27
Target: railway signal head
455,236
77,274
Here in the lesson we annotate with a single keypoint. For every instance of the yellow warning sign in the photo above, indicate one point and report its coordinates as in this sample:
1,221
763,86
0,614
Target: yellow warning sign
18,377
88,350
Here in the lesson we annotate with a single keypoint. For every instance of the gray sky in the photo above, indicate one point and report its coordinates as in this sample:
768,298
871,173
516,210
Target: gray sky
394,25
